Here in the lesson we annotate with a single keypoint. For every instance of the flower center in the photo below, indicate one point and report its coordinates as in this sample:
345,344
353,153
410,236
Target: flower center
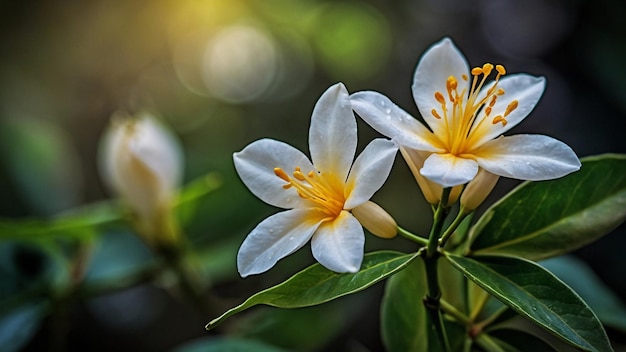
324,192
461,117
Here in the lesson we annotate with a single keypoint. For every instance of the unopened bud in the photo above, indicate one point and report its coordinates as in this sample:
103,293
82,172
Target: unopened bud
141,161
478,189
376,220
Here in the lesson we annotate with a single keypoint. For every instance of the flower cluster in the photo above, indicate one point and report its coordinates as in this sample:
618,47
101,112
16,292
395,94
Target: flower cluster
461,146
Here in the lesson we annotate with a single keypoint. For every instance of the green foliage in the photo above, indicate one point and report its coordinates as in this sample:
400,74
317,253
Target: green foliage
539,220
316,284
403,316
511,340
537,294
577,275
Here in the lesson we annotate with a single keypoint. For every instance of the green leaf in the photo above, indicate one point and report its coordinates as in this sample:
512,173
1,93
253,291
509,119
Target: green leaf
403,316
226,344
316,284
511,340
78,224
20,325
186,202
539,220
538,295
575,273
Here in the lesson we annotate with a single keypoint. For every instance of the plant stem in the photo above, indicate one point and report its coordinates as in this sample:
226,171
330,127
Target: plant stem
433,296
463,213
454,312
412,237
438,219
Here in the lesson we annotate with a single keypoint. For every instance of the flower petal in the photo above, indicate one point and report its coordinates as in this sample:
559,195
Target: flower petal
391,121
275,238
439,62
370,171
255,165
528,157
523,88
338,244
333,135
449,170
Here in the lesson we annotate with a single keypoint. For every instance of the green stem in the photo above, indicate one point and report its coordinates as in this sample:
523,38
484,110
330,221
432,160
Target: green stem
454,312
433,296
412,237
488,344
438,220
463,213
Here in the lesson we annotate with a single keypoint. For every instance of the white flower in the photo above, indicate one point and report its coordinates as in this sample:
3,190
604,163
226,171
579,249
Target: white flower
467,116
320,195
141,161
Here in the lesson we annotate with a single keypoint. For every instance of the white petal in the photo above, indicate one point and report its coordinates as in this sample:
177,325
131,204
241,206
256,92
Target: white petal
275,238
255,165
449,170
391,121
528,157
338,244
526,89
439,62
333,135
370,171
141,161
157,147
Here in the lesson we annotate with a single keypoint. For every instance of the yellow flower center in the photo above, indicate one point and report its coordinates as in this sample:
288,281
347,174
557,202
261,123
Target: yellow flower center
324,191
466,107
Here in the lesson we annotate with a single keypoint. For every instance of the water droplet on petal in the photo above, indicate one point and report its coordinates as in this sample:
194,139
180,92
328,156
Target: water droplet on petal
388,111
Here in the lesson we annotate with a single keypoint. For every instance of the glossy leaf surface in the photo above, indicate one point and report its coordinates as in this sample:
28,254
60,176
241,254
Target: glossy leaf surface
538,295
539,220
316,284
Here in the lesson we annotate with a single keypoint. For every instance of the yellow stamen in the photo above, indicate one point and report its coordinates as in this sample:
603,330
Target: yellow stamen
499,119
501,70
512,106
435,114
314,187
440,98
477,71
487,68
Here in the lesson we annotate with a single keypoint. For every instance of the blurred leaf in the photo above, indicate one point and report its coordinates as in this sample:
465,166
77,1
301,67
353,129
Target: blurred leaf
576,274
18,326
510,340
539,220
535,293
218,261
295,325
118,260
316,284
226,345
79,224
186,203
403,316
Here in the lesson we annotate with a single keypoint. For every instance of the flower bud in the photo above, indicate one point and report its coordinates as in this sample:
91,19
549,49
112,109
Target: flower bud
478,189
141,161
376,220
432,191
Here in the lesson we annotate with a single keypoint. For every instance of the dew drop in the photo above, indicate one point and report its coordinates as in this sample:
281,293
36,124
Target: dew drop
388,111
534,308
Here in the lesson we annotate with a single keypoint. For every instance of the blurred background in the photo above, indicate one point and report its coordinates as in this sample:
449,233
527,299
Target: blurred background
223,73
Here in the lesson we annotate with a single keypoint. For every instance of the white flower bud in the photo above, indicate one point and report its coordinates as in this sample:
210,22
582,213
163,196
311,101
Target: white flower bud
141,161
478,189
376,220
